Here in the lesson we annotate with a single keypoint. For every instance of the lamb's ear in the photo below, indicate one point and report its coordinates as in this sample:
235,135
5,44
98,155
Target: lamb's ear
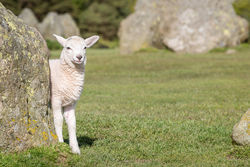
91,41
60,39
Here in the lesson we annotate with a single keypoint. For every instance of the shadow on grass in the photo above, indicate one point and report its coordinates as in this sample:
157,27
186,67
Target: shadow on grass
83,141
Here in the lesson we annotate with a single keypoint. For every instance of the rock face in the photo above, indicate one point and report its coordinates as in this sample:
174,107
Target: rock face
241,131
25,119
28,17
191,26
62,25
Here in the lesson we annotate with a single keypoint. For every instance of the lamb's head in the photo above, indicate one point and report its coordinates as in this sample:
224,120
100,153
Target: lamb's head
74,49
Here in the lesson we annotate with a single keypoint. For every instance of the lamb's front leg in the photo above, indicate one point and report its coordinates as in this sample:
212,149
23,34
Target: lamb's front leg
69,115
58,118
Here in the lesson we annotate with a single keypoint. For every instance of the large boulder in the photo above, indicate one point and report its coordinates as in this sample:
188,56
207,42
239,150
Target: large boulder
62,25
25,117
241,131
138,31
69,26
191,26
51,25
28,17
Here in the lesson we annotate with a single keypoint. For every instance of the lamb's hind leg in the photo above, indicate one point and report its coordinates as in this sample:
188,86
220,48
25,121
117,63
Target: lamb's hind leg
58,118
69,115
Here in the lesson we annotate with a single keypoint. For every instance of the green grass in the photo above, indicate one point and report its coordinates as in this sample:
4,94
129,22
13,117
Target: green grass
155,108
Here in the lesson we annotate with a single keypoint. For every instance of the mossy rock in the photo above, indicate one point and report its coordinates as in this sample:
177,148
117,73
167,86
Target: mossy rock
25,118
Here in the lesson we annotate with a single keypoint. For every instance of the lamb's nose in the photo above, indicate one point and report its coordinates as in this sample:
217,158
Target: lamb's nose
79,57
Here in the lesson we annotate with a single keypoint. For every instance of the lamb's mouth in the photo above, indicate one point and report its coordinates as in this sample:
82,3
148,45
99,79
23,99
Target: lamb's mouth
78,61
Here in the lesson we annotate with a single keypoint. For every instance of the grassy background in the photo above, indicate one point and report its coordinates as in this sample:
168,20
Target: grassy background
155,108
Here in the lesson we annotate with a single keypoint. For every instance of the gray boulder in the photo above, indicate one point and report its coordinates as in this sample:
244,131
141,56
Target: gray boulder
69,26
51,25
25,118
191,26
138,31
241,131
203,25
28,17
62,25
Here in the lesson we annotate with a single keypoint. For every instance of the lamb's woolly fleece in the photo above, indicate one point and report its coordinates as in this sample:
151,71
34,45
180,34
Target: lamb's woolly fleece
67,82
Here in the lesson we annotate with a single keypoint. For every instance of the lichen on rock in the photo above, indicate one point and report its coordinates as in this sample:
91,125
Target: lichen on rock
24,86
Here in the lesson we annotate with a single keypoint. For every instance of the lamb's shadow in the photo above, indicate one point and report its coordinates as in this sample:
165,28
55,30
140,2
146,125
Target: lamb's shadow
83,141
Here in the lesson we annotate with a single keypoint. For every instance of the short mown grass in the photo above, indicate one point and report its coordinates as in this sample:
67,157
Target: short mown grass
155,108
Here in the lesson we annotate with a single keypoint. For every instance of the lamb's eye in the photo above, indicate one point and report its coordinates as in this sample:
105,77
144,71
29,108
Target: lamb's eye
68,48
85,47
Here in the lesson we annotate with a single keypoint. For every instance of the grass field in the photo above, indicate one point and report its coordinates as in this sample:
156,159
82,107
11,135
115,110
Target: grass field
155,108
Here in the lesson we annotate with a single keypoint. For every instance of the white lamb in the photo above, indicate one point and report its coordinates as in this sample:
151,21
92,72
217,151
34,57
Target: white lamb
67,78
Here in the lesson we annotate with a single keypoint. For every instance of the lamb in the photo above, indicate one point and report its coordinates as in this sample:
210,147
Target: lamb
67,79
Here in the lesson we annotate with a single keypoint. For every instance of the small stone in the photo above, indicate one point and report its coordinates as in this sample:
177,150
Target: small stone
241,131
230,51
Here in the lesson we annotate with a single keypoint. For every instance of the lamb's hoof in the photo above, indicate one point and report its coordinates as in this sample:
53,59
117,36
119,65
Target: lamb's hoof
76,151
